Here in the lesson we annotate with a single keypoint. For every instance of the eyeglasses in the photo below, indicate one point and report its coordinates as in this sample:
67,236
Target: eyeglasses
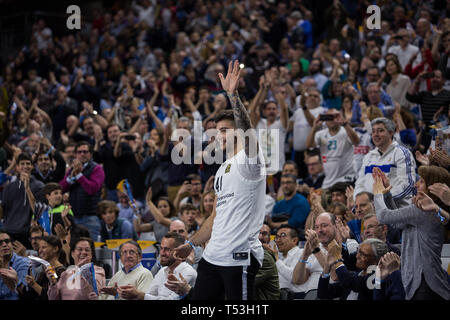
130,252
363,254
7,241
83,151
263,233
281,235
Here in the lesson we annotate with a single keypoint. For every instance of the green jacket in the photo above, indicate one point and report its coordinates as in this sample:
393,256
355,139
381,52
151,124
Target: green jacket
267,285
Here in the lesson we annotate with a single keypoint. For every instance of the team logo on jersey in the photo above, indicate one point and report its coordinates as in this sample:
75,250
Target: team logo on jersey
228,168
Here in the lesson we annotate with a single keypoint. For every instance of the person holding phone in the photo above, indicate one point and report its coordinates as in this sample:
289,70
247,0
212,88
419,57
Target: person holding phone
336,146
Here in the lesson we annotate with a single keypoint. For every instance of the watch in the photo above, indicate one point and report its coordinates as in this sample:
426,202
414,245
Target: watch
304,108
316,250
337,261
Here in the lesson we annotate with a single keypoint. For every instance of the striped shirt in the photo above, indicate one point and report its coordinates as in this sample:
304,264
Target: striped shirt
430,103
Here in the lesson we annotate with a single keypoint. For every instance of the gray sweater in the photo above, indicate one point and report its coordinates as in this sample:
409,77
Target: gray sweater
423,237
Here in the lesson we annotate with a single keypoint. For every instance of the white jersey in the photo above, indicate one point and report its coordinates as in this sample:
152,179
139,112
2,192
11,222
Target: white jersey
337,156
365,145
271,139
302,127
240,185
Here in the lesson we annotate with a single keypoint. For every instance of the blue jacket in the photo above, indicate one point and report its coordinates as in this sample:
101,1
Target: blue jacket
296,208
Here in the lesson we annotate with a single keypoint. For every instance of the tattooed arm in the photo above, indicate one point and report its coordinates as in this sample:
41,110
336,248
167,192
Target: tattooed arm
241,116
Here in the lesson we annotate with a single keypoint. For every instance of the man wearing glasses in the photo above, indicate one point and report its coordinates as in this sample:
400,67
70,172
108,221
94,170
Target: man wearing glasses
84,181
13,269
157,289
132,273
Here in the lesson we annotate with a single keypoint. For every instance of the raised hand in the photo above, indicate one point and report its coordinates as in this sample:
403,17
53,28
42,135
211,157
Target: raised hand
349,191
423,159
179,286
230,82
442,191
424,202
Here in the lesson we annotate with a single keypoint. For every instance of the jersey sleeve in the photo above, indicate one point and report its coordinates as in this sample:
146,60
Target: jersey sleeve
251,168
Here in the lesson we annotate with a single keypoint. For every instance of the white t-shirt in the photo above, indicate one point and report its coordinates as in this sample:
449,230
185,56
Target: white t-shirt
240,185
337,156
405,55
271,139
302,127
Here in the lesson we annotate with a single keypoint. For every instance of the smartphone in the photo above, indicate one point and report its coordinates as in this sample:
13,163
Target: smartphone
428,75
130,137
326,117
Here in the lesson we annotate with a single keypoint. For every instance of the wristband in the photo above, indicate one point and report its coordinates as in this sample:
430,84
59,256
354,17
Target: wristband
190,243
440,216
316,250
325,275
305,262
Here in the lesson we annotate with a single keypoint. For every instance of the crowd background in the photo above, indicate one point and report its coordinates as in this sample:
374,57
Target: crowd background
81,111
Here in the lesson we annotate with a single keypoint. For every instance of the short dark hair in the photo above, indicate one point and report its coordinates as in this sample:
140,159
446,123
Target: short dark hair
23,157
368,194
194,176
293,231
50,187
339,187
290,176
291,162
91,245
179,239
37,228
84,143
186,207
225,115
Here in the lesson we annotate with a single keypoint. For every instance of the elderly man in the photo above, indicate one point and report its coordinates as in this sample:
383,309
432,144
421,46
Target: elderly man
157,289
314,256
393,159
132,273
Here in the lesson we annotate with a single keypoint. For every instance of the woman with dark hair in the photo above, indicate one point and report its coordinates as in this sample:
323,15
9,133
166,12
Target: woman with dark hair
78,283
423,236
50,249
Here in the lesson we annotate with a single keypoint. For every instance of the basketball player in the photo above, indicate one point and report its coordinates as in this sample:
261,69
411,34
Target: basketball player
233,254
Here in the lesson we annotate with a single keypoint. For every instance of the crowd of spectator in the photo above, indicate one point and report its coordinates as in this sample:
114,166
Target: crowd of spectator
357,119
